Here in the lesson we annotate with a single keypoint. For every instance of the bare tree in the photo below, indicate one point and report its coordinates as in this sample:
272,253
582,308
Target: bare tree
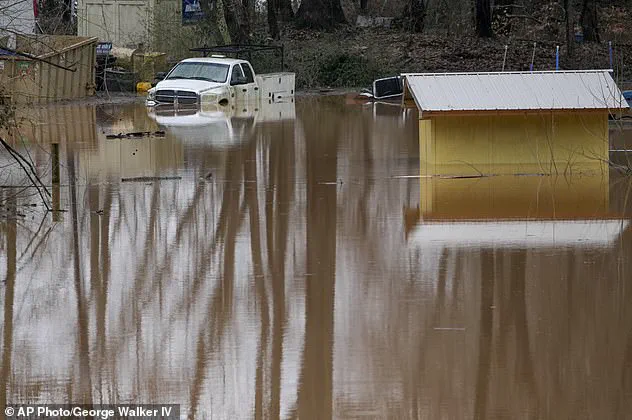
483,18
216,19
273,26
415,15
284,8
320,14
235,21
568,19
590,21
246,19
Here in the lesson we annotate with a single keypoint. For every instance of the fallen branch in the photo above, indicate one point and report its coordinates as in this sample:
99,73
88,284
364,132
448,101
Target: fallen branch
32,57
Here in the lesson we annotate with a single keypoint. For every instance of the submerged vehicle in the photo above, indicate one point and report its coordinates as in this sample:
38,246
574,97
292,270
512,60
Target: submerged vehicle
387,88
218,80
627,94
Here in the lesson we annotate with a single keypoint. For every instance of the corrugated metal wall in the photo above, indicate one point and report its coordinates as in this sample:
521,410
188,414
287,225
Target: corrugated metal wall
33,81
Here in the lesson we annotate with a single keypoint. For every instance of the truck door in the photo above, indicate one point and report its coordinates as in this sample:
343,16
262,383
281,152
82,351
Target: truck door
242,83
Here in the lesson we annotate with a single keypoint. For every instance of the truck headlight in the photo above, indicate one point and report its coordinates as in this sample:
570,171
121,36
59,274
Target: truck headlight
213,95
151,94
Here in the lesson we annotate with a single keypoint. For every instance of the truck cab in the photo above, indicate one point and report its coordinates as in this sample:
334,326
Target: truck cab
218,80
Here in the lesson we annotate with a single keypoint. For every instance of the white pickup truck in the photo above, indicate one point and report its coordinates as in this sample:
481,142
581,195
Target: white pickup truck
218,80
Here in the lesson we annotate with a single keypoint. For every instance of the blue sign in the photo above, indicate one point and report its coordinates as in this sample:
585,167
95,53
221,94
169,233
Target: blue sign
191,11
104,48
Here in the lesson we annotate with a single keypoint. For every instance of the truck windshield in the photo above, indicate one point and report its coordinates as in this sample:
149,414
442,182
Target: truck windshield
212,72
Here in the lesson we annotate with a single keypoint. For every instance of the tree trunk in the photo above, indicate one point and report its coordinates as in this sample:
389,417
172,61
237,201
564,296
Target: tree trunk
215,20
284,7
501,24
273,26
568,17
234,23
483,18
415,15
220,20
247,17
320,14
590,21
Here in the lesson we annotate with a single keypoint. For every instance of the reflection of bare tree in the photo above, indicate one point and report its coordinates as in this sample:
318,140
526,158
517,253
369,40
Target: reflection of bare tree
417,370
145,287
183,313
250,174
281,159
316,391
219,307
85,382
100,272
95,278
9,294
488,275
519,308
623,397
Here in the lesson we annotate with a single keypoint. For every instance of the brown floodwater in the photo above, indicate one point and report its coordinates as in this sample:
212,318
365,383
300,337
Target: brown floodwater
290,262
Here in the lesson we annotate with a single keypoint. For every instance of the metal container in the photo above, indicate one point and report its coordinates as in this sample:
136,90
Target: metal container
49,68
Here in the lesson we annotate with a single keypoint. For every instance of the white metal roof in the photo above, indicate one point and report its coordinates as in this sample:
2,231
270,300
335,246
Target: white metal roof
544,90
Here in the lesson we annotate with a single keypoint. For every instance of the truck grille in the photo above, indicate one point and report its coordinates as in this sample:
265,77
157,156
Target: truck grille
183,97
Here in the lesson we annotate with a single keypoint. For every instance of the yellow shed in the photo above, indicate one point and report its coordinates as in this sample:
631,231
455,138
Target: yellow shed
513,122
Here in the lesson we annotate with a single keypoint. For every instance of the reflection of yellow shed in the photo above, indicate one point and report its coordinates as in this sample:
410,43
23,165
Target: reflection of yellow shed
515,212
513,122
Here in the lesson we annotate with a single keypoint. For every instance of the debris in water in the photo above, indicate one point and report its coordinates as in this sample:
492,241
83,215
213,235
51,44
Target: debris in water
150,178
448,329
533,174
463,176
135,135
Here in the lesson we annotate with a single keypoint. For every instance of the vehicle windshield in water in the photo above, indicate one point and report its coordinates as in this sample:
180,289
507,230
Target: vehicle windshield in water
211,72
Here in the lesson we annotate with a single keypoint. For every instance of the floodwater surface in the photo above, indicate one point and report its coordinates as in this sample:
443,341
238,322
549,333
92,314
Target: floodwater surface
291,262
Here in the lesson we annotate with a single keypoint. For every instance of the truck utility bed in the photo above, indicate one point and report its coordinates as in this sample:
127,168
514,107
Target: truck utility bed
274,86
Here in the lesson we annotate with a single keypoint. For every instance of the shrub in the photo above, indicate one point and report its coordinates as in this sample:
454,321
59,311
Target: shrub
344,70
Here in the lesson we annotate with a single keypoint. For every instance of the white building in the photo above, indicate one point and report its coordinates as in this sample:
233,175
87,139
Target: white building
159,25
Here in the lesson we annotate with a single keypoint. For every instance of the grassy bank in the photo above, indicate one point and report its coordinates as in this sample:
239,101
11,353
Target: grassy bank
351,57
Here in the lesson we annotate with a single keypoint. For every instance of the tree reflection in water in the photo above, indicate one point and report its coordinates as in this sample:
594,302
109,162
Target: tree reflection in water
289,285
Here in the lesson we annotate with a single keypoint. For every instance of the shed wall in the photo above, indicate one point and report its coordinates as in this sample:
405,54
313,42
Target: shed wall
546,143
30,81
